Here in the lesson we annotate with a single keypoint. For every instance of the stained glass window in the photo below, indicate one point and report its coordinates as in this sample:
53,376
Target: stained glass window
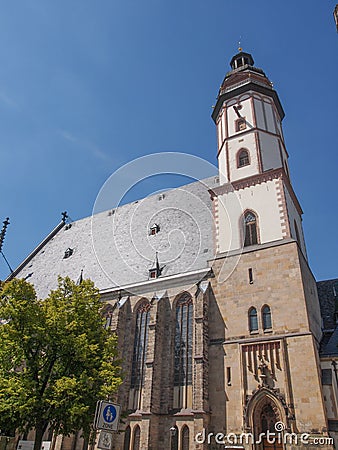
140,345
183,341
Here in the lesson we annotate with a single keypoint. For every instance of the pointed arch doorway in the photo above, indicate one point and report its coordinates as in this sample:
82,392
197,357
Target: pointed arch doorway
267,421
264,412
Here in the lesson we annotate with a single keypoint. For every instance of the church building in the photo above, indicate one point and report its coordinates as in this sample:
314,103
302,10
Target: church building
228,339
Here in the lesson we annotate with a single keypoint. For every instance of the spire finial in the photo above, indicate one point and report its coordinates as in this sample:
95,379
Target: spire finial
239,44
3,232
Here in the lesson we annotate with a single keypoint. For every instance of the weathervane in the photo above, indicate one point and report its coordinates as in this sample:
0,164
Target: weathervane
239,44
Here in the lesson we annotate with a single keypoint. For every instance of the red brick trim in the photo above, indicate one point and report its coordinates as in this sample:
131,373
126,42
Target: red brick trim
258,150
283,211
215,224
225,116
255,128
227,160
253,112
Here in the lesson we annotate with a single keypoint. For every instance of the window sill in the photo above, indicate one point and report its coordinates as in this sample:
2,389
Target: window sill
254,332
267,331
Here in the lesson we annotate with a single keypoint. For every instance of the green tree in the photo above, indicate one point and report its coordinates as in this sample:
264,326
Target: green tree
56,358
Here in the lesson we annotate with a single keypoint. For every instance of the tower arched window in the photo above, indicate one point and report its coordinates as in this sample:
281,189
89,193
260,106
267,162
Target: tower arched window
139,354
253,319
266,317
243,158
183,352
250,229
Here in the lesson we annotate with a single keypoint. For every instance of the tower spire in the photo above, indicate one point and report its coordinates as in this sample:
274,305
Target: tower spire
239,44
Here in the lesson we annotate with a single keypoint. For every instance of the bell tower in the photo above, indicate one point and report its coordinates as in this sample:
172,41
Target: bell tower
264,328
253,162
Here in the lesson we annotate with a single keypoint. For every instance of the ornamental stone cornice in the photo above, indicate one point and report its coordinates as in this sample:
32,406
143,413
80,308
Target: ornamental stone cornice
273,174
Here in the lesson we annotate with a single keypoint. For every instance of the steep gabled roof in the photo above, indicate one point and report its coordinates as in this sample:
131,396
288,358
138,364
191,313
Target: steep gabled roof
114,248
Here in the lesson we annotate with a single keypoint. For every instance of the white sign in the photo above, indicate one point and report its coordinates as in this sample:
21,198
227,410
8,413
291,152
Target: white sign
105,440
46,445
25,445
29,445
107,416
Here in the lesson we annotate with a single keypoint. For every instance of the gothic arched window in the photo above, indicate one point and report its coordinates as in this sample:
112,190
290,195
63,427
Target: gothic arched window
139,354
266,317
185,438
107,313
250,229
174,438
183,351
126,444
253,320
243,158
137,438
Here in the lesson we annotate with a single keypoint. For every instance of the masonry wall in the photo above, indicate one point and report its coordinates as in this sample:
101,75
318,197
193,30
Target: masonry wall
288,352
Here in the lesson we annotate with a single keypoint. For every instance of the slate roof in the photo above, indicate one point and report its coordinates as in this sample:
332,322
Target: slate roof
115,248
328,296
328,300
329,344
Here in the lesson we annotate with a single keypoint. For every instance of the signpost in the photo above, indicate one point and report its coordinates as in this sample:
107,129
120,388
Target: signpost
105,440
107,416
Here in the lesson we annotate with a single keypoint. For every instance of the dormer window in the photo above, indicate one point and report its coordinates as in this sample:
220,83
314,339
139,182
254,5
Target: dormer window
154,229
153,273
68,253
240,124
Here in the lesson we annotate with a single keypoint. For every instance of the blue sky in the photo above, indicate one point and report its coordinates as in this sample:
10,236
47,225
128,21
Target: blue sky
87,86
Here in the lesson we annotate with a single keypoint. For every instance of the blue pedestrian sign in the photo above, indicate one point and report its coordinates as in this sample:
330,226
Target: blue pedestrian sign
109,413
107,416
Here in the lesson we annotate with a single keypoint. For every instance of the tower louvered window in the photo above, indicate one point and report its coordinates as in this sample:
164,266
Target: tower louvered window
139,354
183,350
